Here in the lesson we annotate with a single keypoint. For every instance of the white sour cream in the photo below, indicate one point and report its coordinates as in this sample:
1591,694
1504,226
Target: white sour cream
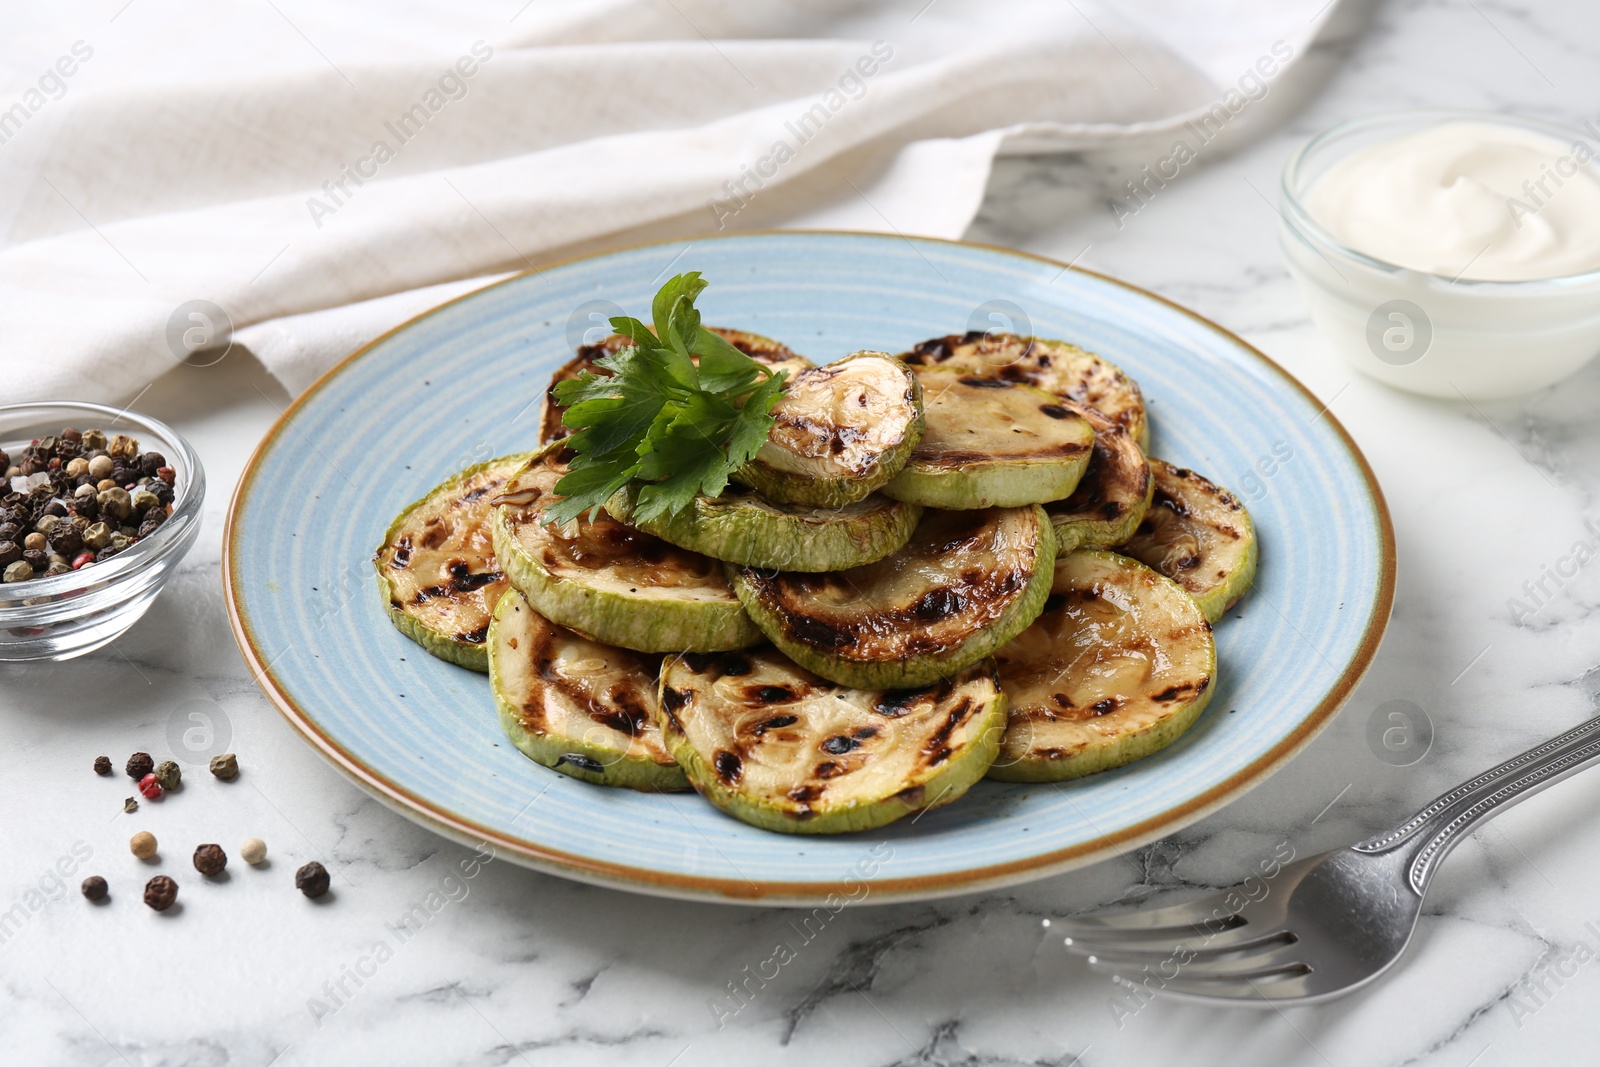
1477,200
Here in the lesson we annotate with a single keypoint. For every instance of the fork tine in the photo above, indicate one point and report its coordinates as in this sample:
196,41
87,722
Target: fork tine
1152,948
1278,960
1172,916
1242,991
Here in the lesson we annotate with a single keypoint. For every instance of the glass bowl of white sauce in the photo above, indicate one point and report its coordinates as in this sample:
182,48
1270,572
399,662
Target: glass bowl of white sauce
1450,253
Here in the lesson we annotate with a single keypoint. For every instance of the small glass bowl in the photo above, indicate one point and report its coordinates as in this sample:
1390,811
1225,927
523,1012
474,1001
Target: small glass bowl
1428,333
71,614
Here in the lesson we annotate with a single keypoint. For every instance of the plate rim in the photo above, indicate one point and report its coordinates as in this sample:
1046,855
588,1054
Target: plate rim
772,891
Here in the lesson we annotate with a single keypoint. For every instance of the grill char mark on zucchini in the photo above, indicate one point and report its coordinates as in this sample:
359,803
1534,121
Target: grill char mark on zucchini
763,350
436,569
576,706
1121,663
824,759
1057,367
965,583
1198,534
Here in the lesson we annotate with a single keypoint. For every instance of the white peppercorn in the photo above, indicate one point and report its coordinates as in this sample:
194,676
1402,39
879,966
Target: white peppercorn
143,844
100,467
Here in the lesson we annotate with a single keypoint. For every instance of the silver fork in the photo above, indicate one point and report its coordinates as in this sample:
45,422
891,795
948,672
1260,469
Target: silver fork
1320,927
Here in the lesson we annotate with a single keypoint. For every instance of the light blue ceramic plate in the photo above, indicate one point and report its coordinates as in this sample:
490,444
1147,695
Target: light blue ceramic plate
462,383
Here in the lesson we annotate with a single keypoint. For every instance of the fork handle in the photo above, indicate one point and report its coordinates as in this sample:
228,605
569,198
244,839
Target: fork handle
1456,813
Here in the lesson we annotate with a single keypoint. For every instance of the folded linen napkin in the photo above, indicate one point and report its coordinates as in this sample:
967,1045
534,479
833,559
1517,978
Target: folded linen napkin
309,174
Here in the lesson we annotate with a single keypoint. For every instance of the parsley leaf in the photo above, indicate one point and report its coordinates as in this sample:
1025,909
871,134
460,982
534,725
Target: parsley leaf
678,412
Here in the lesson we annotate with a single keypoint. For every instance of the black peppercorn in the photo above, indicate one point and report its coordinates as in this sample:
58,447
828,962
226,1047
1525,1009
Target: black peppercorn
10,531
94,887
151,462
139,765
151,522
66,539
5,461
57,507
102,765
312,879
36,558
160,892
210,860
10,552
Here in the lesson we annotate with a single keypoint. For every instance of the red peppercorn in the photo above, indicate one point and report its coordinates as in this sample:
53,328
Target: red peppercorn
82,560
149,786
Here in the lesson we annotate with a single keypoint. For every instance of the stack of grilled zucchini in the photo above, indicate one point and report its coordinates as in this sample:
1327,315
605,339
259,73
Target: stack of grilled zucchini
951,564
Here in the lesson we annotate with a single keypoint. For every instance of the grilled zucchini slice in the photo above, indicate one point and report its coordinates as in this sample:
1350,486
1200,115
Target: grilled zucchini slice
966,583
991,443
840,432
1120,664
1057,367
436,568
1199,535
777,747
1111,500
577,706
742,527
608,581
763,350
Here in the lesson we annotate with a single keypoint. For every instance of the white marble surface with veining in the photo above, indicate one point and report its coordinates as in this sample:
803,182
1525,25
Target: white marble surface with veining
409,961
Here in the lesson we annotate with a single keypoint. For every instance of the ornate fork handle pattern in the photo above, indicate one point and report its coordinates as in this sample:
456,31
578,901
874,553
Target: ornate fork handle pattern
1451,833
1553,751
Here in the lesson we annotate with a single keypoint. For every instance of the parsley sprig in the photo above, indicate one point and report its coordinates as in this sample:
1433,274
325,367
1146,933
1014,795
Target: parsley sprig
660,420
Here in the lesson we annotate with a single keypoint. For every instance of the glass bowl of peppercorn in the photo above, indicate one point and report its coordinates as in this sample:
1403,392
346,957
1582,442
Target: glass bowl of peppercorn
97,508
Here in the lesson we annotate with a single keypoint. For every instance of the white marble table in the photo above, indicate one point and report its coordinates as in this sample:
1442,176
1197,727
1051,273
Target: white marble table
516,967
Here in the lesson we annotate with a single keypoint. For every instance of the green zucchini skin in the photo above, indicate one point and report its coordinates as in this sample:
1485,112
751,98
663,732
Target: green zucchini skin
1198,534
775,746
1111,500
609,582
597,723
763,350
841,432
741,527
966,583
991,443
444,611
1058,367
1065,721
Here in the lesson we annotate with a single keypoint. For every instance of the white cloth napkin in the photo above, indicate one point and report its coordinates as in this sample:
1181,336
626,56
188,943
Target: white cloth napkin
320,171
